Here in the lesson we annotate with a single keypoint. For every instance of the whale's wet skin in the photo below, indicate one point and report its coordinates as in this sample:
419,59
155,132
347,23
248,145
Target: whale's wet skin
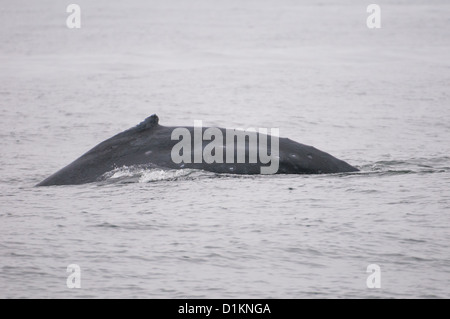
152,145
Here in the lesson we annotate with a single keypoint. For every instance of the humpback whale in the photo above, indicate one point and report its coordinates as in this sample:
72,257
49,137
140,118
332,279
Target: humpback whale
152,145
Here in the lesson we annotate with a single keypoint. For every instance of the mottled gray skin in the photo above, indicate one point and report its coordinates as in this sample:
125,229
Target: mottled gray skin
150,144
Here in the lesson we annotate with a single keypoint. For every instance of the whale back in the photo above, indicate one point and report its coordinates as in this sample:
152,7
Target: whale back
151,144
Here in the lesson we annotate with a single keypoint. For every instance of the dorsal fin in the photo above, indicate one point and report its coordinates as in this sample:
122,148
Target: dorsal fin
149,122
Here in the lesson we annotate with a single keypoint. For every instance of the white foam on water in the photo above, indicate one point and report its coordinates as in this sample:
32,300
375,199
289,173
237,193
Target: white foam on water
139,174
153,175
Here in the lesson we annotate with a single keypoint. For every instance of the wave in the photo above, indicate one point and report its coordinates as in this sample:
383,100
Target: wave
407,166
145,174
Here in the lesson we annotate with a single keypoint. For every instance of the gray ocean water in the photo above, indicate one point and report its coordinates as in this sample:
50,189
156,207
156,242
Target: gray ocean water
376,98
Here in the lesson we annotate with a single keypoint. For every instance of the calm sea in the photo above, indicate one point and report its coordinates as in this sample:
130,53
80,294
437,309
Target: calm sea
376,98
